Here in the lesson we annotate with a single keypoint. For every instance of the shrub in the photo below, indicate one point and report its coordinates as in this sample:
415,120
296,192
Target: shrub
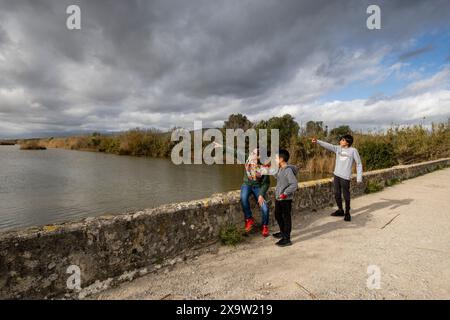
230,235
320,164
109,145
416,143
373,186
286,125
377,155
32,145
378,150
340,131
391,182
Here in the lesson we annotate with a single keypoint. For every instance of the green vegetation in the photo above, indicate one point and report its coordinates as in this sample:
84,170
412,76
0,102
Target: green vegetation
338,132
159,260
383,149
237,121
230,235
286,125
415,143
373,186
391,182
377,155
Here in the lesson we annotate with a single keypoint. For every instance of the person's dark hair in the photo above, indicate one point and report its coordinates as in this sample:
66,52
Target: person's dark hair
283,153
348,138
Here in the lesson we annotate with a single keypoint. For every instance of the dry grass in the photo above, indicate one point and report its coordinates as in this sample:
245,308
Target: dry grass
402,145
32,145
320,164
398,145
136,142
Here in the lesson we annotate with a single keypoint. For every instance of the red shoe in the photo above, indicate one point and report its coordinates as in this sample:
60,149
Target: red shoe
265,231
249,224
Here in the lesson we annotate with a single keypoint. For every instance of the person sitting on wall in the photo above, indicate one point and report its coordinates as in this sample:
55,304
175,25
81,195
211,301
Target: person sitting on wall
256,182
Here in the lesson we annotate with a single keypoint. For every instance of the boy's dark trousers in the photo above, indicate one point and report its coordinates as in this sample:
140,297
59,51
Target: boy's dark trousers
283,217
342,186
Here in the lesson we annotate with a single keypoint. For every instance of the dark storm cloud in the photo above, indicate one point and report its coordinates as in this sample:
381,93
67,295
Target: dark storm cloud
166,63
415,52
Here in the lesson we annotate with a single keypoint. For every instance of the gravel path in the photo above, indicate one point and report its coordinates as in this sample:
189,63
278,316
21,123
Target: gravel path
403,232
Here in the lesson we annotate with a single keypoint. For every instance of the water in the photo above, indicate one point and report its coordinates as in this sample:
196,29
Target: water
39,187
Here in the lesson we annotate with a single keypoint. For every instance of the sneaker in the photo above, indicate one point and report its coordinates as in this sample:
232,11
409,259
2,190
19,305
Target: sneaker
284,243
277,235
265,231
347,217
249,224
338,213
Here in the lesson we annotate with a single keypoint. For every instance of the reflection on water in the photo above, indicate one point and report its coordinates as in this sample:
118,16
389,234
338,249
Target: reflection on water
55,185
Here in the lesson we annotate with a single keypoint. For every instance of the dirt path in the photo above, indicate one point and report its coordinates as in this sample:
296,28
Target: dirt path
404,231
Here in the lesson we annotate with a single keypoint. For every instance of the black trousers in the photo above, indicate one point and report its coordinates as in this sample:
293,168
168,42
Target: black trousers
283,217
342,186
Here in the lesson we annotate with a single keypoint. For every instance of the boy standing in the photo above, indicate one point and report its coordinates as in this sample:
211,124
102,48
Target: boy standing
345,155
284,193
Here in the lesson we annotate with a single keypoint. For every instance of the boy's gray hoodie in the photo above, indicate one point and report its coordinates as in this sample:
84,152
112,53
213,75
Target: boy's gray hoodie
286,182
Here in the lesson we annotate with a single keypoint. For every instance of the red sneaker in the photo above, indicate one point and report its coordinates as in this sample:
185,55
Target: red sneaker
249,224
265,231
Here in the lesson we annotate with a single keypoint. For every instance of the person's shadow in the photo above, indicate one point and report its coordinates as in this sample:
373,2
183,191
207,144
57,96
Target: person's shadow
360,217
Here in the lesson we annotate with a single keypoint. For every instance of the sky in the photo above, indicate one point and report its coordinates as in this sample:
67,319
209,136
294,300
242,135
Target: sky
168,63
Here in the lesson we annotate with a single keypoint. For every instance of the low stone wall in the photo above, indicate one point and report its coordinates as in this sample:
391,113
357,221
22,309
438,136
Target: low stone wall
34,262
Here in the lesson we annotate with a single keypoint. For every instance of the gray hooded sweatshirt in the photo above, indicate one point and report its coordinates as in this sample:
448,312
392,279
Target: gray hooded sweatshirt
286,182
344,161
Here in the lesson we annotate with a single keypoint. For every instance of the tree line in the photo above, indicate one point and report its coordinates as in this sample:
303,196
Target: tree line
397,145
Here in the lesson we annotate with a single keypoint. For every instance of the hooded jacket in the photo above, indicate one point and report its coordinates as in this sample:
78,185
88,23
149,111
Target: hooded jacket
286,182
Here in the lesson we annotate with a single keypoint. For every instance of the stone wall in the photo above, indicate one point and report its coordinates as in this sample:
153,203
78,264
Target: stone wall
107,249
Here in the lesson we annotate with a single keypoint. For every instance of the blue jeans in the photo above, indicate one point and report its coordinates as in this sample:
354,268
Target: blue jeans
245,197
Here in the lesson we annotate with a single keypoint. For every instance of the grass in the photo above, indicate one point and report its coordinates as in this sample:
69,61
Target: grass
136,142
391,182
442,167
373,186
231,235
7,143
320,164
159,260
378,150
32,145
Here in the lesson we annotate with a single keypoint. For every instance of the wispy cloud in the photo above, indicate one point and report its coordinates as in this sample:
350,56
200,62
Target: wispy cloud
416,52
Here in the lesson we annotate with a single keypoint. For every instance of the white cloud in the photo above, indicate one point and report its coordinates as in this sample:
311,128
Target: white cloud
435,82
433,106
167,63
